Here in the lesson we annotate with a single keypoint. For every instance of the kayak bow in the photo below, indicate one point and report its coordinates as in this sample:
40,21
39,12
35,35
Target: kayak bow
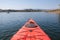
30,31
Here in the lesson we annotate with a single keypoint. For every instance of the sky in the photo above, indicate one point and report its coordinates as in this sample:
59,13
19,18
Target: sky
29,4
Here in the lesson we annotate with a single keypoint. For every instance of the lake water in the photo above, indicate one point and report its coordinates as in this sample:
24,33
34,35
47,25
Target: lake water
12,22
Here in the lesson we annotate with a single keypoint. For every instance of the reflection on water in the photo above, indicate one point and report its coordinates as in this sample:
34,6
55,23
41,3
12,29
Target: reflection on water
10,23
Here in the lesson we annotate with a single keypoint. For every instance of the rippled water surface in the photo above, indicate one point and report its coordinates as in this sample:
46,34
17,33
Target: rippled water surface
12,22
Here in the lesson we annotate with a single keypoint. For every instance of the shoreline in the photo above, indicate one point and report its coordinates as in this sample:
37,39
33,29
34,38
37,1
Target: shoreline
32,10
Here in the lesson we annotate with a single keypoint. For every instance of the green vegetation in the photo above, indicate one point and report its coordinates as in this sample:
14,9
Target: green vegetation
25,10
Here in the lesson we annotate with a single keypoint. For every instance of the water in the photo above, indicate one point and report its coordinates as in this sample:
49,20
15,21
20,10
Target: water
12,22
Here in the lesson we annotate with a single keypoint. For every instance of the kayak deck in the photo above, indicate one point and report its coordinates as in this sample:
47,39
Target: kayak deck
30,31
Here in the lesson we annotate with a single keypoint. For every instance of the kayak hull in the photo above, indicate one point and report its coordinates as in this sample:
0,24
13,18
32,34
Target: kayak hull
30,33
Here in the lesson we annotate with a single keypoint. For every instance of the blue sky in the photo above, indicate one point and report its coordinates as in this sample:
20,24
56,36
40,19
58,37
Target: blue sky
27,4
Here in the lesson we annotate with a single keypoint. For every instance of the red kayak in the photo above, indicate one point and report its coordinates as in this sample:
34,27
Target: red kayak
30,31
